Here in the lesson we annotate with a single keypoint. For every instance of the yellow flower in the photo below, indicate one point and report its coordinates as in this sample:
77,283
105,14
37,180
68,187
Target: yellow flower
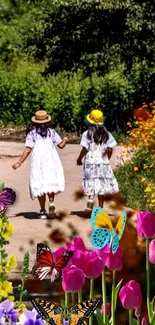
7,230
147,189
143,180
20,309
11,263
135,169
11,298
5,289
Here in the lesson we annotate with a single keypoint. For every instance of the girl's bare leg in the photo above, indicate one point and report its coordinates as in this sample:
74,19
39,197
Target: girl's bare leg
100,200
42,200
51,196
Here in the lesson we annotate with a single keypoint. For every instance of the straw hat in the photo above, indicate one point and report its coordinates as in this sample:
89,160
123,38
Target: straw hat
41,117
95,117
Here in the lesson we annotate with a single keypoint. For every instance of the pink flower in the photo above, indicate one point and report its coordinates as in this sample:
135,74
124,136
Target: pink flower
77,243
112,261
130,295
59,252
144,321
145,224
78,259
152,251
93,265
108,309
72,279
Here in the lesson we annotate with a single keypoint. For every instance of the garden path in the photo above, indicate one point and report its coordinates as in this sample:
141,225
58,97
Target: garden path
28,229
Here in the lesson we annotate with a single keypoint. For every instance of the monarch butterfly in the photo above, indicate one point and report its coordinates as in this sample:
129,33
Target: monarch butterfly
46,266
56,315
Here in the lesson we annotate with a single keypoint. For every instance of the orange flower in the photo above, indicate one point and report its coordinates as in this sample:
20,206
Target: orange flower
141,113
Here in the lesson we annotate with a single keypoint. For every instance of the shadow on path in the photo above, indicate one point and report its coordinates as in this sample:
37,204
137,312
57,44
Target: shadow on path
81,214
28,215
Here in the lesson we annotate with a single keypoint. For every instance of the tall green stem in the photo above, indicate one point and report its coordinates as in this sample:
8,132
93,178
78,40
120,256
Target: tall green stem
73,299
104,298
148,279
66,299
138,320
113,298
130,317
80,296
91,297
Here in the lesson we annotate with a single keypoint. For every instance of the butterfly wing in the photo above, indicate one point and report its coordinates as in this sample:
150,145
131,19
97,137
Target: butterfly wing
121,224
48,311
100,219
62,262
115,243
83,310
45,262
7,197
100,238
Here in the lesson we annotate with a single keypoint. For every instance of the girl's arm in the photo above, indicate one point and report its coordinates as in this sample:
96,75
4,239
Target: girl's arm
62,144
83,152
23,157
109,153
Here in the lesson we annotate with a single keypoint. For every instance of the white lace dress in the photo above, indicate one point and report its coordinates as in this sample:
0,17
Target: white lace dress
98,177
46,171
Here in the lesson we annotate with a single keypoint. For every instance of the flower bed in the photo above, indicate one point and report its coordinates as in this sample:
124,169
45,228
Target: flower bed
75,264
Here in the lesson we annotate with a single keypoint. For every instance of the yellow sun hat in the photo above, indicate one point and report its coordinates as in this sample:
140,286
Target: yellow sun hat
95,117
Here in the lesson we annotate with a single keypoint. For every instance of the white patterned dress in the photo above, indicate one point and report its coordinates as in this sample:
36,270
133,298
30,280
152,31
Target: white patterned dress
46,171
98,177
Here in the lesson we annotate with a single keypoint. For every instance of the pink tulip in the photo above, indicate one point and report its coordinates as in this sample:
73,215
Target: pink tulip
130,295
144,321
108,309
152,251
78,259
72,279
145,224
59,252
112,261
93,265
77,243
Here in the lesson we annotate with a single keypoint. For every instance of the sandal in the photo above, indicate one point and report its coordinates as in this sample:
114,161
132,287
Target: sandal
51,207
42,215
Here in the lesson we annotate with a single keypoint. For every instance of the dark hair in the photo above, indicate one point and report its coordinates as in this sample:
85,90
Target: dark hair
98,134
42,129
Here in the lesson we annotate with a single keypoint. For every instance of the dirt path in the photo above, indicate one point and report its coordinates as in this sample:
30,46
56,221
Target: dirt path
28,229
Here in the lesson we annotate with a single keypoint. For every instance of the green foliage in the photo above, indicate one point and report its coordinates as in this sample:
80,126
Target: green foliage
130,181
69,56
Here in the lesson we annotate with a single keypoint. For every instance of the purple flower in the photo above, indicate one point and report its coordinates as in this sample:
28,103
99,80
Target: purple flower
31,318
7,312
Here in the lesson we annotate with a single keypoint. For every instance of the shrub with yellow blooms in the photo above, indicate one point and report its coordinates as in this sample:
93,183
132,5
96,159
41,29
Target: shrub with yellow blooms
137,177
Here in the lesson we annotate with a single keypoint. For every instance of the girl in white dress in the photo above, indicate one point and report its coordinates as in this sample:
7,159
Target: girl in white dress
97,144
46,171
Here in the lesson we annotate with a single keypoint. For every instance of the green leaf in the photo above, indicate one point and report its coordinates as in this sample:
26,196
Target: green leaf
63,303
153,319
152,305
116,290
133,321
1,187
99,317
